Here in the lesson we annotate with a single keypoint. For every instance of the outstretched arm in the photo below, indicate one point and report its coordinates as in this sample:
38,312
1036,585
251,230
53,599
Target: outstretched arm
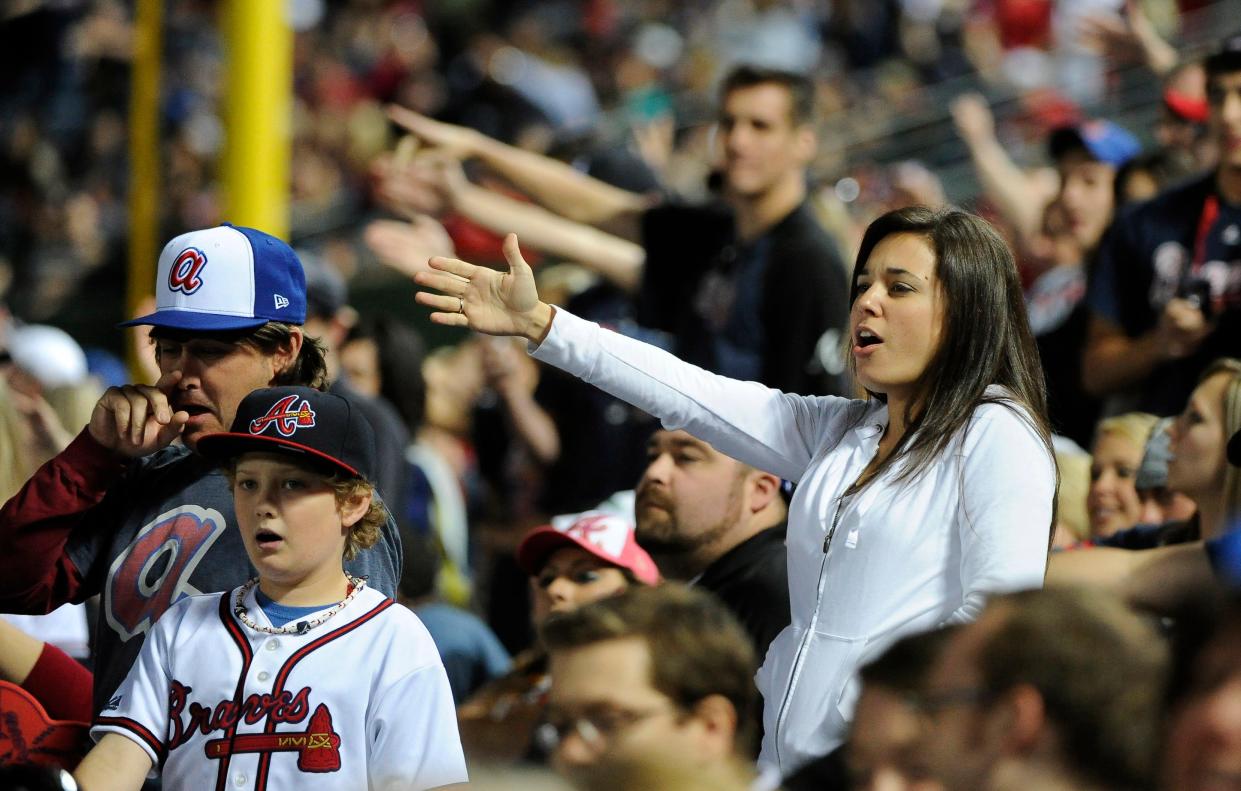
56,680
617,260
1014,194
1112,360
514,376
117,763
436,183
550,182
1162,579
765,428
1129,36
18,653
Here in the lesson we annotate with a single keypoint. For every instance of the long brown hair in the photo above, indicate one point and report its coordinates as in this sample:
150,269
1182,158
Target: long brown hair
986,336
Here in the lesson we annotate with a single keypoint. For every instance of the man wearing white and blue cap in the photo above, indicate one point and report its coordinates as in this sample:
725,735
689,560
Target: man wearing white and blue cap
1165,294
128,512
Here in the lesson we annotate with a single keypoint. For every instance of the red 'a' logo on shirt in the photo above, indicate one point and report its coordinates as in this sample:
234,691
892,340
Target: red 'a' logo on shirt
285,417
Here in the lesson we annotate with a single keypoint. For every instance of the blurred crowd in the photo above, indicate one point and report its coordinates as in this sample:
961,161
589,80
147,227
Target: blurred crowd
601,80
698,175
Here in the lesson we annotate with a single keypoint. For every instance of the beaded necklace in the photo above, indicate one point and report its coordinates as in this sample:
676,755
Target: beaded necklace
301,627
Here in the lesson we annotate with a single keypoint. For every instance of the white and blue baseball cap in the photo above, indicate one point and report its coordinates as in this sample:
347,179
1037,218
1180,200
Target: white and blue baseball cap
226,278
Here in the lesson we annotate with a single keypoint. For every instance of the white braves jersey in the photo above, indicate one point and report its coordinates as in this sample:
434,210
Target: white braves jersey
360,701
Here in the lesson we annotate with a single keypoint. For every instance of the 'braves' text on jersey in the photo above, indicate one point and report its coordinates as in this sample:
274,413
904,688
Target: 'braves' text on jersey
360,701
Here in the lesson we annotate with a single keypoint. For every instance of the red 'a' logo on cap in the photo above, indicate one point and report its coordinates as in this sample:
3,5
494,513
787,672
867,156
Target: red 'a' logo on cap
183,276
286,418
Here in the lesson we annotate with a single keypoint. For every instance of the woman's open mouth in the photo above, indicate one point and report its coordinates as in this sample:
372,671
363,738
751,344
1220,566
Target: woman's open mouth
865,341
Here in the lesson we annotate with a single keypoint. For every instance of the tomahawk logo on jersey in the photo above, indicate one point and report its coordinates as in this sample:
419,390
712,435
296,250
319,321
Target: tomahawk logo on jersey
285,417
361,701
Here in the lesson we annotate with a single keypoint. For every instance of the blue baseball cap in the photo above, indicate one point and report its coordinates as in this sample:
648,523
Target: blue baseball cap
226,278
1103,140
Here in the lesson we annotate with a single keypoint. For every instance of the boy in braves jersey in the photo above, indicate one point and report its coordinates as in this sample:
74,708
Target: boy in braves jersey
303,676
126,511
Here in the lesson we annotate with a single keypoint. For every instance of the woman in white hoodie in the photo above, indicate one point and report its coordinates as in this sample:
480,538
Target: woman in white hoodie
910,506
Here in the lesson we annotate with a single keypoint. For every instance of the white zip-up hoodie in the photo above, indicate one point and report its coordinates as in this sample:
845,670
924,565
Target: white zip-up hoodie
891,560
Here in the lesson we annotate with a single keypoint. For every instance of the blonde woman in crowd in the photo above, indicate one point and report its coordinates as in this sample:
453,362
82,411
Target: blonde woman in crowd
1112,501
1199,465
1167,567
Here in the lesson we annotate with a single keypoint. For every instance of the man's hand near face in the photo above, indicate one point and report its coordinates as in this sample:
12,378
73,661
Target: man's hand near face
137,420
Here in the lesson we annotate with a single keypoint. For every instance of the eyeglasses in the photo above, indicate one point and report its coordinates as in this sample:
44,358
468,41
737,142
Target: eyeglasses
935,701
595,728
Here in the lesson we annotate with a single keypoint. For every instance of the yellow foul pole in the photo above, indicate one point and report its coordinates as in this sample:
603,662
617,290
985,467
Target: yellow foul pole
144,182
257,110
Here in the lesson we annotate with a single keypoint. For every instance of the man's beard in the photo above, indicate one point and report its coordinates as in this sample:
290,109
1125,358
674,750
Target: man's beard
658,532
661,534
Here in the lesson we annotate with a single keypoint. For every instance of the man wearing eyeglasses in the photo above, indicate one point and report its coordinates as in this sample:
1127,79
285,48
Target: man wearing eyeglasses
1058,688
653,674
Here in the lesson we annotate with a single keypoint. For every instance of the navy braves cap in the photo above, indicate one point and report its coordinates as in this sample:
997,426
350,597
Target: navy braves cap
226,278
1103,140
302,422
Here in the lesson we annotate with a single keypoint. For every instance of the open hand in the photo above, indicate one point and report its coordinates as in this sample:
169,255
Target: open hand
406,246
137,420
407,189
972,118
486,301
1126,37
456,141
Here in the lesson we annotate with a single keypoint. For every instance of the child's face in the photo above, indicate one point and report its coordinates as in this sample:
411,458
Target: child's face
292,528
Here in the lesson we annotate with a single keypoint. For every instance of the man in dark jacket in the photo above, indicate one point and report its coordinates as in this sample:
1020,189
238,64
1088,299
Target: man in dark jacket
710,520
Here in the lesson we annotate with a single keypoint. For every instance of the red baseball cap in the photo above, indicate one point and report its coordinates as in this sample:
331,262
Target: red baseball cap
606,536
1185,107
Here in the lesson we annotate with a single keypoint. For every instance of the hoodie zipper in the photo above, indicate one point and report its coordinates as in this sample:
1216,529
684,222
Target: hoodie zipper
805,641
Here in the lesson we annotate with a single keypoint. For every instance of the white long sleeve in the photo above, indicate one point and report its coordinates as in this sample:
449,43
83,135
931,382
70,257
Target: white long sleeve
905,556
765,428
